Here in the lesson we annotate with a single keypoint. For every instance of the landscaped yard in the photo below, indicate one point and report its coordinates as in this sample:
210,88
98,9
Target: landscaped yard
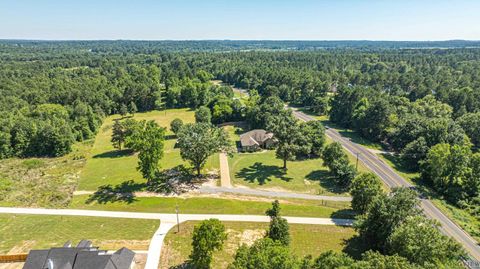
227,205
264,170
20,233
306,240
106,165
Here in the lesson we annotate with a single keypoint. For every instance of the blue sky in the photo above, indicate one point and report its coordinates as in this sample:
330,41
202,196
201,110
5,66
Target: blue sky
240,19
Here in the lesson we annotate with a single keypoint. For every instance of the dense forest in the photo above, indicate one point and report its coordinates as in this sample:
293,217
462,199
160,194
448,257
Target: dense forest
420,100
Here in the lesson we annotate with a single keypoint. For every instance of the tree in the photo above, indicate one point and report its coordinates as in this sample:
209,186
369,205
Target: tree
470,122
332,260
320,105
199,141
384,215
286,131
207,238
337,162
414,152
132,108
419,240
265,254
222,110
452,171
148,142
176,125
314,134
203,115
123,110
365,188
375,260
259,114
372,117
118,135
332,154
278,230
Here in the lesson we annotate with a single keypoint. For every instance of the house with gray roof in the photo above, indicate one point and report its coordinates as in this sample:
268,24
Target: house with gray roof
256,139
83,256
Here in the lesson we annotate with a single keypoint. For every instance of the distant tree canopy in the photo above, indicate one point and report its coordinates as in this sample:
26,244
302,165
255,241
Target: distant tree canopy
409,100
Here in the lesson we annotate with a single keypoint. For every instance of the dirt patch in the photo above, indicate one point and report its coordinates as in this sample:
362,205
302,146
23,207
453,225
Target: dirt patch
117,244
236,238
169,256
140,260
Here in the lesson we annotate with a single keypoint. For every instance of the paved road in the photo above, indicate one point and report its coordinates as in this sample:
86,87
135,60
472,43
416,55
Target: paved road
273,194
392,179
244,191
167,221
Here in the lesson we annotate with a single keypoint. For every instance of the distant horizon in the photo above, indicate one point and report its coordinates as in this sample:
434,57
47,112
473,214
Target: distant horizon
293,40
305,20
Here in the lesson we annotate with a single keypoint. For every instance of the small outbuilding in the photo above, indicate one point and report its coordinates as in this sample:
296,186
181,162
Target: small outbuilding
256,139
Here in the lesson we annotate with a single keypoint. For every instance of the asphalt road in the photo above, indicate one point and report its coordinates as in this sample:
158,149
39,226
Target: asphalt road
392,179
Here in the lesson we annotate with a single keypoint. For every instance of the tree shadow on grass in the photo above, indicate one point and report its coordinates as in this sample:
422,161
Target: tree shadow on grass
345,213
123,192
326,181
115,154
176,180
355,246
261,173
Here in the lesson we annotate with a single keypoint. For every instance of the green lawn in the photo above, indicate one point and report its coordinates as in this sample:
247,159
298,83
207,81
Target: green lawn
306,240
20,233
197,205
263,169
106,165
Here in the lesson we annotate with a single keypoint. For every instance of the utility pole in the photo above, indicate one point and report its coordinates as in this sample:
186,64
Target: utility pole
356,164
178,221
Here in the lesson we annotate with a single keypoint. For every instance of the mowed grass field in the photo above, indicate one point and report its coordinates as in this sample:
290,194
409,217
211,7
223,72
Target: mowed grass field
227,205
264,170
306,240
106,165
20,233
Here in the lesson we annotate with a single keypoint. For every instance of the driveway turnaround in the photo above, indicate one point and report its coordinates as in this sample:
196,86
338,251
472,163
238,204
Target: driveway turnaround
392,179
167,221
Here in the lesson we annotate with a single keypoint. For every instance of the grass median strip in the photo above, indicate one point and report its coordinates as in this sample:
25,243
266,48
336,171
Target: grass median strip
290,207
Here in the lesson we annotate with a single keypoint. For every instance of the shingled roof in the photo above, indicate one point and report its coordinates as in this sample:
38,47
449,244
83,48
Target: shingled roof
83,256
255,137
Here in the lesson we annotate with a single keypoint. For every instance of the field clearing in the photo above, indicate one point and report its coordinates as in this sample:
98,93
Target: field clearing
306,240
106,165
227,205
42,182
20,233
